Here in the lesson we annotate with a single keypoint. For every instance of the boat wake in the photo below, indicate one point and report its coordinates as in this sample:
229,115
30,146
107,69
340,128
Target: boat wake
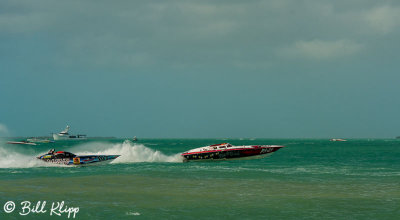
130,152
14,159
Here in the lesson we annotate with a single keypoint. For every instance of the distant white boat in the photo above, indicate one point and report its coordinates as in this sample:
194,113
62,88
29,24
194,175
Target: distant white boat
337,139
21,142
39,140
64,135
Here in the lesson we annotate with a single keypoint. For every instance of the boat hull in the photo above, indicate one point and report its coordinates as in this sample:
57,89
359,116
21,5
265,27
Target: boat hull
246,152
58,137
81,160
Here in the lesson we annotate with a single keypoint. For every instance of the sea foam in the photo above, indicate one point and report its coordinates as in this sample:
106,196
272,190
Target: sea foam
130,152
13,159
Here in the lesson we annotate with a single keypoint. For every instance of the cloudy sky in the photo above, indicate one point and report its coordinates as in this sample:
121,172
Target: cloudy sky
277,68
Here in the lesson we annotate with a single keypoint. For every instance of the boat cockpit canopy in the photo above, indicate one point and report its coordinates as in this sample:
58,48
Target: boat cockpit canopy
223,145
63,154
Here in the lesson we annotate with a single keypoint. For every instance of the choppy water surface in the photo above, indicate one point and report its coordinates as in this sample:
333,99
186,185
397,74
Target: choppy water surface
309,179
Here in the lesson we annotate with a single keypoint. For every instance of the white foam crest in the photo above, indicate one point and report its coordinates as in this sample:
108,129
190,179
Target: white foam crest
133,153
10,159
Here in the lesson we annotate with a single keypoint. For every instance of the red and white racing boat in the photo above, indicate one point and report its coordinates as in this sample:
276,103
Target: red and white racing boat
226,151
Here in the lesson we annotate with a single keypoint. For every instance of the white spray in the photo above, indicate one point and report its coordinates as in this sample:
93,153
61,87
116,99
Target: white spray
130,152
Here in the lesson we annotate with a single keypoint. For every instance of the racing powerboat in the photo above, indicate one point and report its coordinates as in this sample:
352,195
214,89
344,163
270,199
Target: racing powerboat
67,158
227,151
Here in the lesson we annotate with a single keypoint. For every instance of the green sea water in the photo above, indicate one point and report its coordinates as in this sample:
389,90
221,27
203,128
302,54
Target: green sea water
308,179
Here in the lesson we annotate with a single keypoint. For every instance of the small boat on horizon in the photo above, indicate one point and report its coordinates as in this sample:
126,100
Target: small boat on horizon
67,158
21,142
337,139
226,151
64,135
39,140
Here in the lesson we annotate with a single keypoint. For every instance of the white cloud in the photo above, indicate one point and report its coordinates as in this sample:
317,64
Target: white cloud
319,49
383,19
174,33
4,130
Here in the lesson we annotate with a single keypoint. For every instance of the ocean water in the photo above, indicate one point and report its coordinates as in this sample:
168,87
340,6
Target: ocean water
308,179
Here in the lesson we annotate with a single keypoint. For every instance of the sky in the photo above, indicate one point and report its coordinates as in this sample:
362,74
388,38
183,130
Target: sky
201,69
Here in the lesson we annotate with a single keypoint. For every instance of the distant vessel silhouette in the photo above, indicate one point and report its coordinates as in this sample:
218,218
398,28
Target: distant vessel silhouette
64,135
337,139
